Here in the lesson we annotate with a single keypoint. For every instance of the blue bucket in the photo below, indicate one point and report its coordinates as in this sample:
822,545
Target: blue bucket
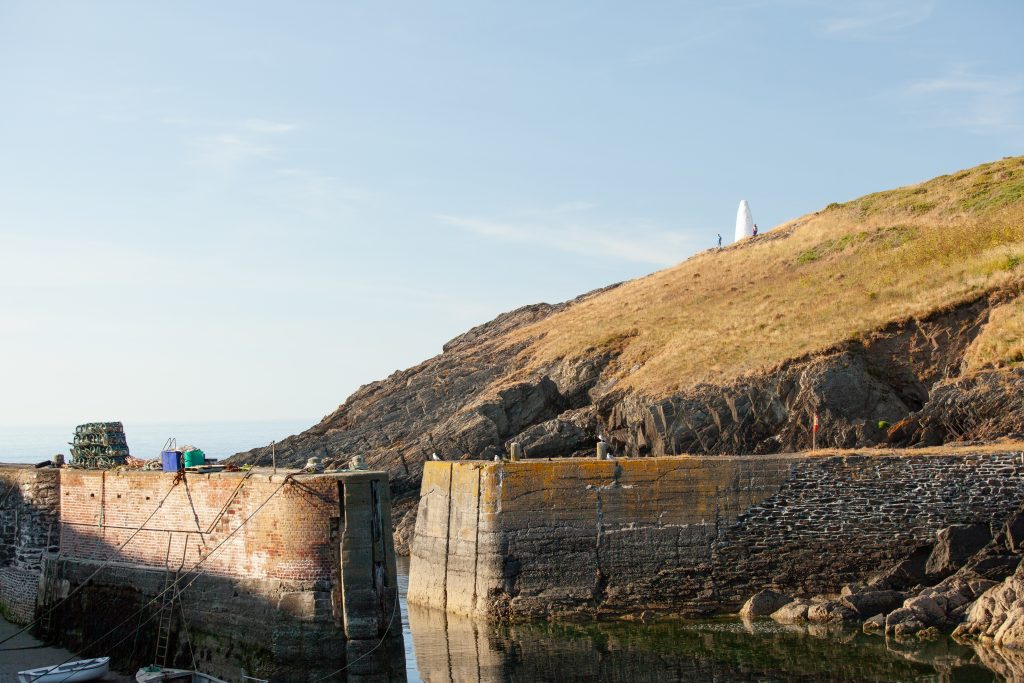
171,460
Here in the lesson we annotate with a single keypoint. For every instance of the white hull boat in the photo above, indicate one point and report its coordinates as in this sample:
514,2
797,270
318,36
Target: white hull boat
155,674
72,672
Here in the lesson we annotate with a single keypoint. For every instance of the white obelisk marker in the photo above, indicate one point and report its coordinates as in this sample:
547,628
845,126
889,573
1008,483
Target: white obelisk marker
744,221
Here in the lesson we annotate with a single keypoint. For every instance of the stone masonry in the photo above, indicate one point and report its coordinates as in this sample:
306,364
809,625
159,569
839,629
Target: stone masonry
29,509
684,535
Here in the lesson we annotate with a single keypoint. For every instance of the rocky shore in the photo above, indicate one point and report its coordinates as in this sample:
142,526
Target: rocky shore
969,582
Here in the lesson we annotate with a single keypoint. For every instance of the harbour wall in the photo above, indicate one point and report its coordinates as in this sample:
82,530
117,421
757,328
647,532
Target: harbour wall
286,576
678,536
29,528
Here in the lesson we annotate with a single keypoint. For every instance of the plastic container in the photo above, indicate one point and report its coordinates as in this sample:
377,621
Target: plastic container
194,457
171,460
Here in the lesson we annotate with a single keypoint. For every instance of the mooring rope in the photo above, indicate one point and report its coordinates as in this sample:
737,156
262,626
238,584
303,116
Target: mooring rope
174,584
373,649
98,569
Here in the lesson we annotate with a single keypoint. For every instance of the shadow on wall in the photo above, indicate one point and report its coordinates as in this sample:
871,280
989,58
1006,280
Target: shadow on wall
266,599
454,649
29,527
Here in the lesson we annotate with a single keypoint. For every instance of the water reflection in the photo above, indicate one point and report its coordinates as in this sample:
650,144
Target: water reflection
446,648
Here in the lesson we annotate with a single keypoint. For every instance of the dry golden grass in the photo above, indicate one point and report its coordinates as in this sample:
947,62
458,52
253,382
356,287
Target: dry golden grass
810,283
1004,445
1001,342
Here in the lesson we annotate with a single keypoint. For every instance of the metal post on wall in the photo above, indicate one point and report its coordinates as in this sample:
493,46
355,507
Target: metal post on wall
273,455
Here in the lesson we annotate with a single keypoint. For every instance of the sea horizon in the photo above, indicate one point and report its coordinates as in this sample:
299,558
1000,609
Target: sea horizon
217,438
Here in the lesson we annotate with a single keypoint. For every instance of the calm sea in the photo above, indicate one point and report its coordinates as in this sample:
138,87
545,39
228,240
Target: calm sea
30,444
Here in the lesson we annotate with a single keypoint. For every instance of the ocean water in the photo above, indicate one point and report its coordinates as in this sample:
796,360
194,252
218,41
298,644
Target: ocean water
30,444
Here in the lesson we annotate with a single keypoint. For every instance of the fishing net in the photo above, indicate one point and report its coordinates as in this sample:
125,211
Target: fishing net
99,445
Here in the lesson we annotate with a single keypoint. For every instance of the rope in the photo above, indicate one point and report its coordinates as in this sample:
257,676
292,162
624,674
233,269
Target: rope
98,569
174,584
184,628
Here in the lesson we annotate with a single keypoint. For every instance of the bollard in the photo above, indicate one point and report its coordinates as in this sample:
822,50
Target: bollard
515,451
602,451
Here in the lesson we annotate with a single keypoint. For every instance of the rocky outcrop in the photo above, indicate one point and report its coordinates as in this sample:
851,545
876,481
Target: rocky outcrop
941,606
481,393
954,546
984,406
455,404
997,616
967,558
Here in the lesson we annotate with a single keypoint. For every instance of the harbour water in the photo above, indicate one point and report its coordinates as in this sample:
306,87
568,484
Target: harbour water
445,648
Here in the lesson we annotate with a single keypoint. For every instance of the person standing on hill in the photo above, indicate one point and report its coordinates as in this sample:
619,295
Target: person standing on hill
719,240
755,230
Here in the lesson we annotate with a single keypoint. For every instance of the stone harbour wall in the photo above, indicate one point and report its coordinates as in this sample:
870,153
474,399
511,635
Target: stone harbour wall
29,508
684,535
282,576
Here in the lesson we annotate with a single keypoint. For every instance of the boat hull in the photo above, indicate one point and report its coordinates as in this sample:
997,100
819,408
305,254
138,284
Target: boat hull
72,672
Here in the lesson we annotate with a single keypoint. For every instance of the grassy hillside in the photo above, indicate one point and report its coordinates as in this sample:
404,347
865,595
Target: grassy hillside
830,276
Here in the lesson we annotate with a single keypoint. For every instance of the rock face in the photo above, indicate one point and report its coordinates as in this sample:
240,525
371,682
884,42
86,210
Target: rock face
449,404
998,615
869,603
476,397
954,545
987,405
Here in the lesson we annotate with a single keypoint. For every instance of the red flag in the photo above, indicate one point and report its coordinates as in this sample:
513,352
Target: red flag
815,422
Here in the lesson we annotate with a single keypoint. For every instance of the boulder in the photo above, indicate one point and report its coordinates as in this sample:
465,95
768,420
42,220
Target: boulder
954,546
793,613
908,628
927,609
867,603
899,616
906,573
829,610
875,624
764,603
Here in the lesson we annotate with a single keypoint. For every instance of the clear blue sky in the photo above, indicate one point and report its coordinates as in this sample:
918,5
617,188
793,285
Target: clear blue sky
242,210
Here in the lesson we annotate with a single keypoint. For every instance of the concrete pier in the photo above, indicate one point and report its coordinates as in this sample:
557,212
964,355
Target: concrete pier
678,536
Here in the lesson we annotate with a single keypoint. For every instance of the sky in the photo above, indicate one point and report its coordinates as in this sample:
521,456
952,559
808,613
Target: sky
246,210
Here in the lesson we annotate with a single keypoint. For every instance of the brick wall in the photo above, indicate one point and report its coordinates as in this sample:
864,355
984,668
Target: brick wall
680,535
289,539
29,500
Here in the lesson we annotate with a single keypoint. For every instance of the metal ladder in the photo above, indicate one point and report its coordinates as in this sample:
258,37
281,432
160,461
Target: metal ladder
163,634
167,597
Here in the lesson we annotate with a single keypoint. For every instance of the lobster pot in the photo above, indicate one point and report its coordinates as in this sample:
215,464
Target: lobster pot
98,445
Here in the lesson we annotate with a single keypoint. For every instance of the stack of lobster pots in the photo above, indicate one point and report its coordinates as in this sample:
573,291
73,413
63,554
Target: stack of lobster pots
99,445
